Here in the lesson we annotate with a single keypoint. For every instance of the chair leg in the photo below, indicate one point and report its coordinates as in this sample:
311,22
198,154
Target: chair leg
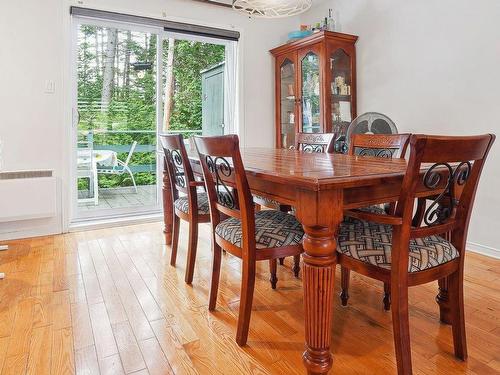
191,255
95,182
175,239
345,275
401,329
387,296
246,299
273,268
296,265
133,179
443,301
282,261
455,291
214,287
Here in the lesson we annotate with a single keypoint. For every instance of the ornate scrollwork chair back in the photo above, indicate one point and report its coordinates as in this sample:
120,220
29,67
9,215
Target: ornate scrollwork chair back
178,166
315,142
228,190
379,145
453,165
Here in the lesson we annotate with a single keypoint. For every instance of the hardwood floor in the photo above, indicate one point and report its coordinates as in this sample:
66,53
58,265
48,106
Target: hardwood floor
106,301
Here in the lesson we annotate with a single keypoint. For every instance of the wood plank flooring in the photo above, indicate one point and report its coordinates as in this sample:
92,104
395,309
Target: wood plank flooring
107,302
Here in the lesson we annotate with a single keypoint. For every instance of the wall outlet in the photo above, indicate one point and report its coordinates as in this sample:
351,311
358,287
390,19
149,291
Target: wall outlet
50,86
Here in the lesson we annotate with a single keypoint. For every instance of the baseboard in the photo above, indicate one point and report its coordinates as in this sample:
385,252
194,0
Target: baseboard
115,222
483,250
29,233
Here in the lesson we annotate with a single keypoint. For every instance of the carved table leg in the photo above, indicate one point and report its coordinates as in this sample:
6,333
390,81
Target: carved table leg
320,214
167,205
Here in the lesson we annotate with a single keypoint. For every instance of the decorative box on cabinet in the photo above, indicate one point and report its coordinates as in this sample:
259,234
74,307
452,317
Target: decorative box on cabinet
315,80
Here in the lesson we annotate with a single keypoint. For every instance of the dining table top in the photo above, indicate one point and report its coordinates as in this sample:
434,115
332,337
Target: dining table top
317,170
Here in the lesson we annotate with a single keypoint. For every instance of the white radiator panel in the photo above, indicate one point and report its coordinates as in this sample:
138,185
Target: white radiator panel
27,198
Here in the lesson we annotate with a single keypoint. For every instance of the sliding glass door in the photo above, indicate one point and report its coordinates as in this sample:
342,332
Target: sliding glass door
130,84
116,119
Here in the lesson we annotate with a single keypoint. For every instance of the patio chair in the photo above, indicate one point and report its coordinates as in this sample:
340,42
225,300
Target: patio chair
121,167
87,168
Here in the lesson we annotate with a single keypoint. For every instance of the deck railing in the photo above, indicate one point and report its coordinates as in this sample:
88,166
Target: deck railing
103,140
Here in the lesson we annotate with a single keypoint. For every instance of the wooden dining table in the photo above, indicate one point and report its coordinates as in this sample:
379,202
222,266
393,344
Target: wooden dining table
320,187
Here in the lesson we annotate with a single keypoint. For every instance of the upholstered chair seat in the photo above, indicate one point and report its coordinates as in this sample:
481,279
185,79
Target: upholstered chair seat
371,243
267,202
374,209
182,204
272,229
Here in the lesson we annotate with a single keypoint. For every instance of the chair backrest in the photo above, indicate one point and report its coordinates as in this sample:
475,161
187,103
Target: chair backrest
85,149
380,145
131,151
179,168
314,142
226,184
452,166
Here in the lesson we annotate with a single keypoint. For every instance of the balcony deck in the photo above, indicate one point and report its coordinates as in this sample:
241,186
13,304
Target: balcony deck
120,197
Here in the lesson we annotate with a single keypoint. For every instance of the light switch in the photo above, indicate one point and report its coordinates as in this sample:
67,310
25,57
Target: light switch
50,86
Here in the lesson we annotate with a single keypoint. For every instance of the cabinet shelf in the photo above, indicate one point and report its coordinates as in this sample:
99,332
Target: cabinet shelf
338,97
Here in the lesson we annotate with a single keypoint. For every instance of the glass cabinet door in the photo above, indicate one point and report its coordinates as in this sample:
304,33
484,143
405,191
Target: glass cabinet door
287,105
340,86
310,101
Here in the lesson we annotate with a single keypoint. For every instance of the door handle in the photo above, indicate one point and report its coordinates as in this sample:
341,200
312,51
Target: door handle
75,117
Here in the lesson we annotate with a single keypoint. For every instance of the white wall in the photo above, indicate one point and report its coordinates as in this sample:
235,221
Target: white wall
30,121
35,39
433,67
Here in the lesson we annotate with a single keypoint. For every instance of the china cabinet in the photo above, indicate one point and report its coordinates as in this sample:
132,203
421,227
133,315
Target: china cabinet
315,86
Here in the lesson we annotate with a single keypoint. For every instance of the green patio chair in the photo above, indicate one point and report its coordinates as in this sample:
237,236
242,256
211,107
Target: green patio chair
121,167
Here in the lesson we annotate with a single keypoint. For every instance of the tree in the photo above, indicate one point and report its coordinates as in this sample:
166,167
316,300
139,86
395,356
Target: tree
126,68
169,84
109,68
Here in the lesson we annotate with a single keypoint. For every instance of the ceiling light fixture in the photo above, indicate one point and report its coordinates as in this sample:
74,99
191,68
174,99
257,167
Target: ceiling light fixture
271,8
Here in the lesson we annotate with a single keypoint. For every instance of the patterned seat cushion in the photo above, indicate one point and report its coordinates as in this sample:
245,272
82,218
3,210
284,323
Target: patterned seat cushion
374,209
268,202
182,204
272,229
372,242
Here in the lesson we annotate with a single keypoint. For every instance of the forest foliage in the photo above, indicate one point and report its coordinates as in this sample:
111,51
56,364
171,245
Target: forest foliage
117,72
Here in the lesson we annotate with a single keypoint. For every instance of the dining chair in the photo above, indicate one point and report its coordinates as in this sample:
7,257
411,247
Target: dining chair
237,228
306,142
87,168
315,142
383,146
395,249
121,167
189,204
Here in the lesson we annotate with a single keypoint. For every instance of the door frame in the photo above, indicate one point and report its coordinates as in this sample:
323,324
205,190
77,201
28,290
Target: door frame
231,74
76,217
